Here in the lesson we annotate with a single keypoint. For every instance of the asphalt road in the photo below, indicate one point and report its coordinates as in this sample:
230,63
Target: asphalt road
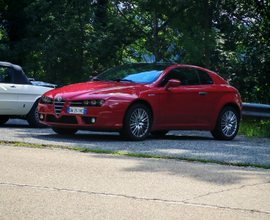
184,144
66,185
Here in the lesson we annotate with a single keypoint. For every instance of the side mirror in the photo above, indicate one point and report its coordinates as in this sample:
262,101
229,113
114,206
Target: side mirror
172,83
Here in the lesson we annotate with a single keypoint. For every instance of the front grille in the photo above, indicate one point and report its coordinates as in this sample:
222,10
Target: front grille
58,106
64,119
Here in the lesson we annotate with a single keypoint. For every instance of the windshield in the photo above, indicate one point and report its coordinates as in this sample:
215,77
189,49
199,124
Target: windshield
137,72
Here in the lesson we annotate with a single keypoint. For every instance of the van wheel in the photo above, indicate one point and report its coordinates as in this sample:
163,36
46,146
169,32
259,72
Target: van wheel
32,117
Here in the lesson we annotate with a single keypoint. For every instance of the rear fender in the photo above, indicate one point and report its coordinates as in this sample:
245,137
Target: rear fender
231,99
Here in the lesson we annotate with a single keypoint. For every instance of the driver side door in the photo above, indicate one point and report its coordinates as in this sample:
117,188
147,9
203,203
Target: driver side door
184,105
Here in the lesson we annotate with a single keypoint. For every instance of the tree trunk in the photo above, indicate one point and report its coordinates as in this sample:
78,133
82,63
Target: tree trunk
207,32
81,42
155,33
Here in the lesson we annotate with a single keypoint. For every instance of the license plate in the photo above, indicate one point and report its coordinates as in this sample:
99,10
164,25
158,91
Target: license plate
76,110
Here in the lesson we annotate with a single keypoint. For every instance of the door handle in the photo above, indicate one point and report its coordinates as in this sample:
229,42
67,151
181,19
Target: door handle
13,86
203,93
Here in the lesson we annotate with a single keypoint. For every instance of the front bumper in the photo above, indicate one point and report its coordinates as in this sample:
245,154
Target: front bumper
105,118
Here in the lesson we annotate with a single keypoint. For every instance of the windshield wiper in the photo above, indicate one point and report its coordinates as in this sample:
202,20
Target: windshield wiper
126,80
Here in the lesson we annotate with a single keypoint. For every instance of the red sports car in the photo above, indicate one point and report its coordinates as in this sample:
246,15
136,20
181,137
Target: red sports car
142,98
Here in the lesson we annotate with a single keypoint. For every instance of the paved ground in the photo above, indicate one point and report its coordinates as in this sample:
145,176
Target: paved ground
184,144
65,184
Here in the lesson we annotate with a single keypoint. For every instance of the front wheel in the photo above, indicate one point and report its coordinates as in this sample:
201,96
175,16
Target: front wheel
137,123
227,124
64,131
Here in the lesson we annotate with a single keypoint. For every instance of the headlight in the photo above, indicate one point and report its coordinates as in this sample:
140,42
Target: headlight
100,102
90,102
93,102
46,100
85,102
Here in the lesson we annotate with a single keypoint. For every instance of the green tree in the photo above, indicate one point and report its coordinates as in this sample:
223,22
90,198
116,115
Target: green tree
112,35
178,31
243,42
150,19
67,41
13,23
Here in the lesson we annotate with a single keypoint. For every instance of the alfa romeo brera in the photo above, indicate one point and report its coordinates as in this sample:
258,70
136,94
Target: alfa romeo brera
142,98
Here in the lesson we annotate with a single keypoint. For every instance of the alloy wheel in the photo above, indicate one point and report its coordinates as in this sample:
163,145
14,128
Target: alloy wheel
229,123
139,122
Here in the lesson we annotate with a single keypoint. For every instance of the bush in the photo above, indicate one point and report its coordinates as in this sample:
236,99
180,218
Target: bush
254,127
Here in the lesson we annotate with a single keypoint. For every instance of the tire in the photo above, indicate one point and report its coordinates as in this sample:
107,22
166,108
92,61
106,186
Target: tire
3,119
227,124
32,117
159,133
137,123
64,131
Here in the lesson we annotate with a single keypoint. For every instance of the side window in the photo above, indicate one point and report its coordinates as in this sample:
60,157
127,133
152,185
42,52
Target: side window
204,77
187,76
5,74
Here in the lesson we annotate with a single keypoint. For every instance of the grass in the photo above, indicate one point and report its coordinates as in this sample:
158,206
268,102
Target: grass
85,150
254,127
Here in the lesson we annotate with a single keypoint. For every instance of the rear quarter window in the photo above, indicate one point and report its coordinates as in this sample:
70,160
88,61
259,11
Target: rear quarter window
5,74
205,77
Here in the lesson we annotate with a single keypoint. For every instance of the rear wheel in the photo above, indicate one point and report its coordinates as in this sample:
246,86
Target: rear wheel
3,119
227,124
64,131
137,123
32,117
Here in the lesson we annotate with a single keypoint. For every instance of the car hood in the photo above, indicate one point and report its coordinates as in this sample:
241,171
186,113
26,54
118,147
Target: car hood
84,90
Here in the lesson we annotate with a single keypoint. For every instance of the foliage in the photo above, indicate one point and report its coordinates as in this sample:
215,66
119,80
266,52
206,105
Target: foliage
255,127
64,42
241,56
68,41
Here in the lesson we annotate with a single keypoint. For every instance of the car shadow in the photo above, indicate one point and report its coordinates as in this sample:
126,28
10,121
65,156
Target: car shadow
15,126
102,136
178,137
105,137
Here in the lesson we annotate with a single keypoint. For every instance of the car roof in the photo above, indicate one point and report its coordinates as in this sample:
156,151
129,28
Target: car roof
5,63
19,75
